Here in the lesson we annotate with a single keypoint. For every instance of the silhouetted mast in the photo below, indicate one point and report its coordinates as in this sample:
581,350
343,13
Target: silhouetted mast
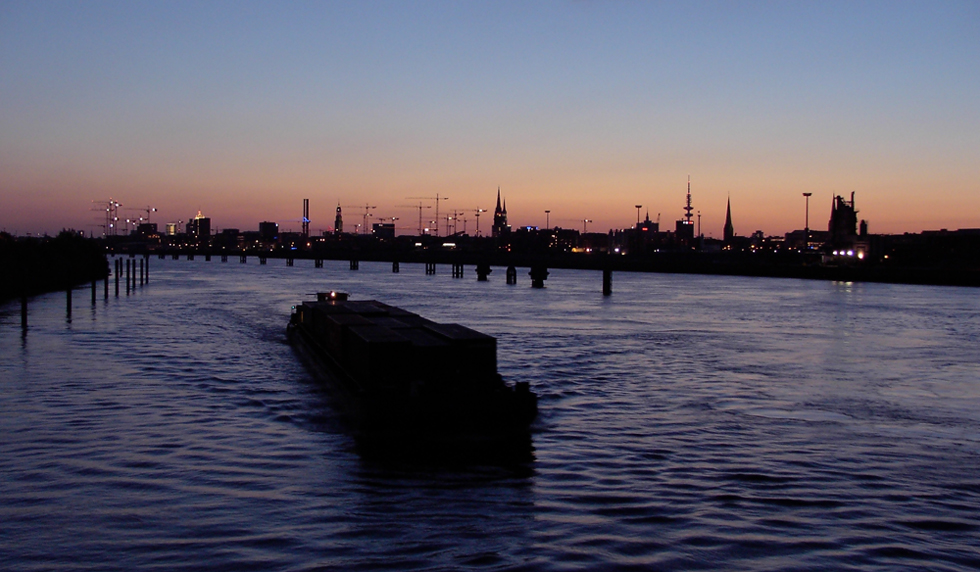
688,208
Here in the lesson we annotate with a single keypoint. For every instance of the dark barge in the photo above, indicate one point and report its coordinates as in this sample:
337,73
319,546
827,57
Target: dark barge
404,379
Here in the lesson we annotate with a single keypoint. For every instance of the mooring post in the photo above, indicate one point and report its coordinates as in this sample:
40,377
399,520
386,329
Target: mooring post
606,281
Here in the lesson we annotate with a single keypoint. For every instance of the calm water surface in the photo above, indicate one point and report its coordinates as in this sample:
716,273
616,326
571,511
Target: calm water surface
687,423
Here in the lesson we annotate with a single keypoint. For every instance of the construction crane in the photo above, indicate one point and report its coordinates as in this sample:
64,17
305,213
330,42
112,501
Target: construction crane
111,210
367,213
419,206
478,211
436,198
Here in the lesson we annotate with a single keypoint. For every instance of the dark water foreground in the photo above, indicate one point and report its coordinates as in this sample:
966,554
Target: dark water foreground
687,422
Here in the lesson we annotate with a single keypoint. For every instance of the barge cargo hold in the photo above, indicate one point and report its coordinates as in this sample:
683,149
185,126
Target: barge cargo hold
406,379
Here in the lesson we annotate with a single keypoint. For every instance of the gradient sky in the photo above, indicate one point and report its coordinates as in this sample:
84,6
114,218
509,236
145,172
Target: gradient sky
243,109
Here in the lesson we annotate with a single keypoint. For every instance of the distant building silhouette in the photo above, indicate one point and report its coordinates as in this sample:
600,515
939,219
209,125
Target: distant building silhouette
199,226
843,222
268,231
500,226
338,222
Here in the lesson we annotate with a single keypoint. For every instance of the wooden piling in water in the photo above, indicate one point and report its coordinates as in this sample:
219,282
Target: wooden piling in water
68,301
118,268
23,308
606,282
355,264
93,291
243,259
430,268
105,287
394,267
128,275
142,276
511,275
147,257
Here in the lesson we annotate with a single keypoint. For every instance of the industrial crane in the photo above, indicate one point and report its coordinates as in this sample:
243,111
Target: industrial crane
419,206
367,213
436,198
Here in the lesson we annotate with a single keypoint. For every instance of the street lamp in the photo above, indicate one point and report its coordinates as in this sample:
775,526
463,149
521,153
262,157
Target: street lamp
806,227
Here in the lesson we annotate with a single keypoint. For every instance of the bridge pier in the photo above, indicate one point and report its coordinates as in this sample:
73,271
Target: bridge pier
224,258
318,263
430,268
457,269
262,259
482,271
355,264
538,274
243,259
289,262
511,275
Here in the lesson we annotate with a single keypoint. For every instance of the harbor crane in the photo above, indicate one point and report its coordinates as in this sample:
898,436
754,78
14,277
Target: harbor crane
419,206
478,211
111,210
436,198
367,213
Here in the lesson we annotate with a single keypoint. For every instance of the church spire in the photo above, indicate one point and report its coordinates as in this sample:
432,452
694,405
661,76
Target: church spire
729,232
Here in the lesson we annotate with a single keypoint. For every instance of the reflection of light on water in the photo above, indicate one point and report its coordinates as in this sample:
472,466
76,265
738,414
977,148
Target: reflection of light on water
680,416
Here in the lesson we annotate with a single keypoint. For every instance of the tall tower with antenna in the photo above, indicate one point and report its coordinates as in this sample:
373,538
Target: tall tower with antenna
688,207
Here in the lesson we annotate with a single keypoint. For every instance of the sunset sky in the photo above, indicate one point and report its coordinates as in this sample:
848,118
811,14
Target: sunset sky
584,108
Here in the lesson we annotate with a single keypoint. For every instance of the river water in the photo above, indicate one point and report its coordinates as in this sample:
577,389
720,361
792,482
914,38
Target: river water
687,423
